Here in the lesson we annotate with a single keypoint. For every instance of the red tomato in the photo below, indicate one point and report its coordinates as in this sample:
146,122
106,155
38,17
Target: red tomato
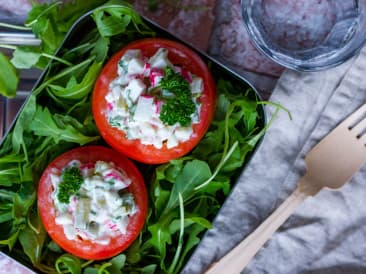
179,55
84,248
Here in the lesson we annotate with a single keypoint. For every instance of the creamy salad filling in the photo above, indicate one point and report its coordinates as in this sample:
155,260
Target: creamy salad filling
136,99
100,208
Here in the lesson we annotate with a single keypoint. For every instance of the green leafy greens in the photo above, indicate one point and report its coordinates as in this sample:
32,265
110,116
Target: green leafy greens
185,194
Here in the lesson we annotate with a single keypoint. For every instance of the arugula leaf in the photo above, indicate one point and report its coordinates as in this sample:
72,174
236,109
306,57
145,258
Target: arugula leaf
117,263
23,201
10,239
9,176
192,241
25,57
68,263
194,173
6,205
23,120
149,269
161,237
72,10
189,221
119,9
8,77
43,124
33,238
100,49
111,23
77,91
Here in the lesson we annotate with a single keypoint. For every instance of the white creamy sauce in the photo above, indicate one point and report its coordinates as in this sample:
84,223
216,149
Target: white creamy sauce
134,110
100,209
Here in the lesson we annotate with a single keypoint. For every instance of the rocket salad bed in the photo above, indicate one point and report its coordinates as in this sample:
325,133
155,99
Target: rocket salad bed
184,194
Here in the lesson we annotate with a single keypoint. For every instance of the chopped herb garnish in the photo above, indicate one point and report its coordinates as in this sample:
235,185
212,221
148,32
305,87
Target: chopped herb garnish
180,107
115,121
123,65
111,182
70,184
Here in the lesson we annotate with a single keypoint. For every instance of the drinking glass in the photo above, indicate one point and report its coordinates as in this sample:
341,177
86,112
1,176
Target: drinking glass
306,35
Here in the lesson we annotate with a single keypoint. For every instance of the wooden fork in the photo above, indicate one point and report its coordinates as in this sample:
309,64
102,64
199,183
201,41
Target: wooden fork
330,164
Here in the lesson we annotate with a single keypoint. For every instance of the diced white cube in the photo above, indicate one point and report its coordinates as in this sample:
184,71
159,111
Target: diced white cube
82,213
183,133
158,143
122,225
122,79
116,91
196,85
93,230
125,59
134,89
104,240
135,66
113,200
164,132
70,232
55,179
133,130
147,130
145,109
64,219
160,59
131,53
172,141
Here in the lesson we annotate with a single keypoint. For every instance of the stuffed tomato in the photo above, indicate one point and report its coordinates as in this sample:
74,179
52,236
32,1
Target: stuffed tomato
92,202
154,100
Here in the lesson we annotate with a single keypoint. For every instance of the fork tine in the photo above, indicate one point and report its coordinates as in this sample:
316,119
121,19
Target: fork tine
359,129
355,117
363,140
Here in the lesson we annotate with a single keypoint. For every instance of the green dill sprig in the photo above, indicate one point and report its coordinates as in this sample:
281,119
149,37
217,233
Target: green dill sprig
70,184
180,107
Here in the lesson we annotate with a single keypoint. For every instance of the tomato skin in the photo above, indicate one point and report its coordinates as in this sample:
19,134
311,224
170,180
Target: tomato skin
82,248
179,55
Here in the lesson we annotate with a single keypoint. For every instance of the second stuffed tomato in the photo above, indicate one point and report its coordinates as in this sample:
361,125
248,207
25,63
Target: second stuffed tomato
92,202
154,100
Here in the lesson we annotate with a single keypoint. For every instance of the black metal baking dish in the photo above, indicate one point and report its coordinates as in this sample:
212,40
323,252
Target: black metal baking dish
86,23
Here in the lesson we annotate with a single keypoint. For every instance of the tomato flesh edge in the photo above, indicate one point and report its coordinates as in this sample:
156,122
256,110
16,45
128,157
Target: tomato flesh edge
83,248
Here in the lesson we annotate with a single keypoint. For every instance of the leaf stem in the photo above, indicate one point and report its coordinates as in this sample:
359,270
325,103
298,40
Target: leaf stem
181,234
61,74
219,166
225,154
11,26
42,13
87,263
4,46
278,106
67,63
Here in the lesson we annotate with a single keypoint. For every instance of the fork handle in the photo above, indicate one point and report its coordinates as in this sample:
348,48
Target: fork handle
239,257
